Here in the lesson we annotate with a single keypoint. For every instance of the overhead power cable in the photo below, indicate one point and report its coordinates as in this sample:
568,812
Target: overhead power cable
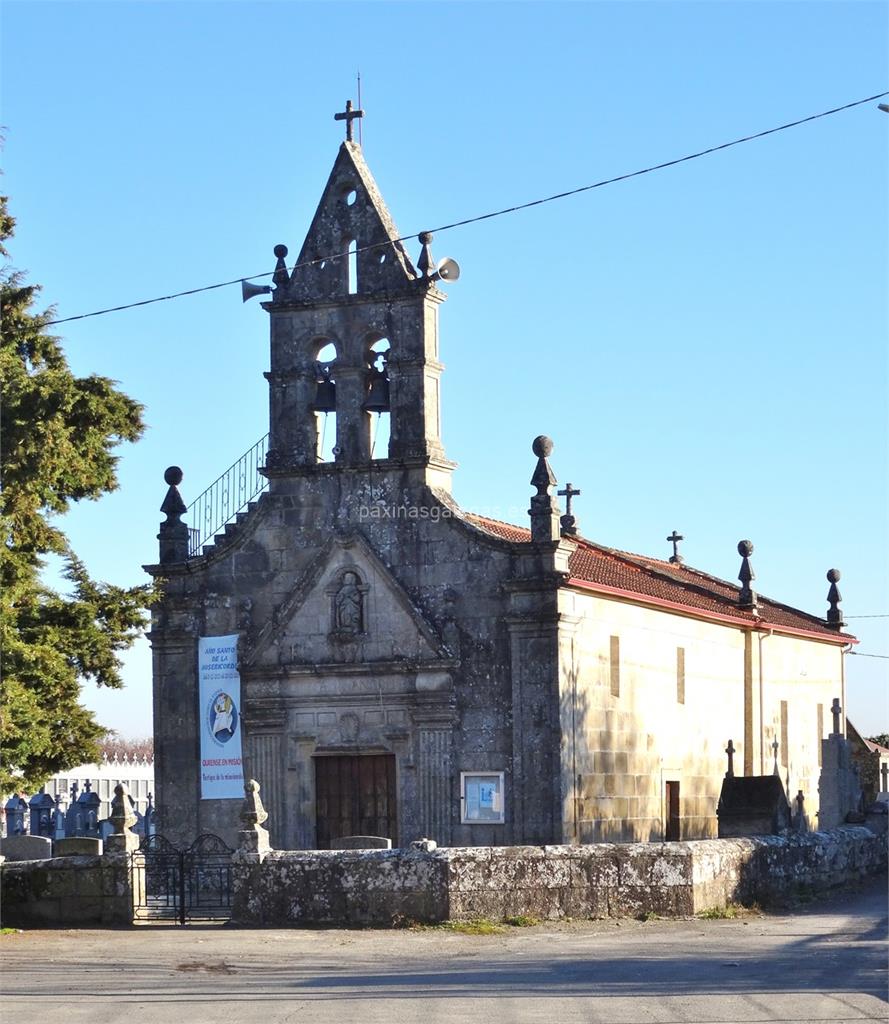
488,216
861,654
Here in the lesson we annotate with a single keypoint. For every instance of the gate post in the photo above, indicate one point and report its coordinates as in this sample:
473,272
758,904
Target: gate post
253,846
122,868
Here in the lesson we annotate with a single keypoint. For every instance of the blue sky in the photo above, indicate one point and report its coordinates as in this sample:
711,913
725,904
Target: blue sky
706,345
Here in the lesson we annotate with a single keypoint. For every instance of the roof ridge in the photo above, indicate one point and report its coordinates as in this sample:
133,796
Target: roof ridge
691,585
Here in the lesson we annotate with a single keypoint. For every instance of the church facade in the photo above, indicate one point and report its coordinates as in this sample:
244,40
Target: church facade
409,669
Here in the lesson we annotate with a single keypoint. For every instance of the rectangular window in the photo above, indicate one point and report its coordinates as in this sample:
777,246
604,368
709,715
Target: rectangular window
615,665
680,674
784,733
481,798
820,730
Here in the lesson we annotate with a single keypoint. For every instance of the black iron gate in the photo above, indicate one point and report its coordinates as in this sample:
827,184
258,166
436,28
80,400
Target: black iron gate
191,884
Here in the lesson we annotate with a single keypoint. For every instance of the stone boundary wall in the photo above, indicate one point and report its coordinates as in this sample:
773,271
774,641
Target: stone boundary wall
379,887
382,887
66,892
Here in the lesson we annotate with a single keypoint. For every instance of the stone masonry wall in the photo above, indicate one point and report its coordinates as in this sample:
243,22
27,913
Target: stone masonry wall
347,888
67,892
549,882
381,887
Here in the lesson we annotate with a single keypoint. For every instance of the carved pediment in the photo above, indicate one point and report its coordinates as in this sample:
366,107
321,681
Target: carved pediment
347,608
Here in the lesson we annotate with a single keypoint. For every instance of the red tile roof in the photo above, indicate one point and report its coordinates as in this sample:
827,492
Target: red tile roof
664,581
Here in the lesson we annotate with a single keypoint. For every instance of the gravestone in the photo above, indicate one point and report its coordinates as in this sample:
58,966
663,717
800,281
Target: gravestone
78,846
839,788
20,847
361,843
15,809
752,806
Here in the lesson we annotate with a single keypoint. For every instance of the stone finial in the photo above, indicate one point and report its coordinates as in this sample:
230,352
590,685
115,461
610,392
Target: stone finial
253,839
426,264
775,747
747,596
122,818
280,278
252,811
674,539
173,535
568,522
884,777
836,710
730,751
544,510
834,615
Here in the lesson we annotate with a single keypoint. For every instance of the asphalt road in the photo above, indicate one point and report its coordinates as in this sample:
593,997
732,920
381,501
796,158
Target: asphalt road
826,962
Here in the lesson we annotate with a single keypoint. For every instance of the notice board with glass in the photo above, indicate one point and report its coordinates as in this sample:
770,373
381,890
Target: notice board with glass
481,798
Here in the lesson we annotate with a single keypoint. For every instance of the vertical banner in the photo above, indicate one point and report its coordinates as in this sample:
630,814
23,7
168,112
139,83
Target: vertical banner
219,711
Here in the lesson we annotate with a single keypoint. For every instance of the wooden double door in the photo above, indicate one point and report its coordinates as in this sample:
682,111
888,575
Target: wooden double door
355,796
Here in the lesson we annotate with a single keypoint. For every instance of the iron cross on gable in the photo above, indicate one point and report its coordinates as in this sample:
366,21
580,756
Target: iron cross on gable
348,115
674,538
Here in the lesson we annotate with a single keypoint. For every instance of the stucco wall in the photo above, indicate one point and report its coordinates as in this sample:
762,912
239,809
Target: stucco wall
619,749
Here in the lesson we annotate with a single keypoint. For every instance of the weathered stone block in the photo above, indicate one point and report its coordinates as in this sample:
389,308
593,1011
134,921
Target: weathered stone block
77,846
15,848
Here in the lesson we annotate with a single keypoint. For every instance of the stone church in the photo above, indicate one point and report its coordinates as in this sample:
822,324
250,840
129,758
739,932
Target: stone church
410,669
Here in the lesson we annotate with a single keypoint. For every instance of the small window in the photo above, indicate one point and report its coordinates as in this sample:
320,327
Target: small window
680,675
614,666
481,798
351,196
353,267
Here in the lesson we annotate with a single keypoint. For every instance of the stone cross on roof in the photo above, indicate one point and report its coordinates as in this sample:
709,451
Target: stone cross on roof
348,115
568,522
674,539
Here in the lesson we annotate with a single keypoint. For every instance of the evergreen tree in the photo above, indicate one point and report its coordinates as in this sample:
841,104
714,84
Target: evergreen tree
58,436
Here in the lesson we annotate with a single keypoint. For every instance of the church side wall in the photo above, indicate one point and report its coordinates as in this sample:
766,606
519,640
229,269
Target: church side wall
647,697
800,679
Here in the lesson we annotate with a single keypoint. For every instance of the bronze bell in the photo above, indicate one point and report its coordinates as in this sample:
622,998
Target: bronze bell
325,396
378,395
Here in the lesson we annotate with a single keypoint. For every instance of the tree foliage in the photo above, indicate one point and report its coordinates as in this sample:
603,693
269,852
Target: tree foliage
58,438
882,739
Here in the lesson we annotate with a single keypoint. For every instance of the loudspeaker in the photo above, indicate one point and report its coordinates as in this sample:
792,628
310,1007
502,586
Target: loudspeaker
248,290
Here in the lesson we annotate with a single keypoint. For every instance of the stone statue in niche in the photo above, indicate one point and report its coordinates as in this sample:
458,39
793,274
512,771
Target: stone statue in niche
348,606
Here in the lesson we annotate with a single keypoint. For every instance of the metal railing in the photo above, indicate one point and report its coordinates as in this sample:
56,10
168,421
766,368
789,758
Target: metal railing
228,495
